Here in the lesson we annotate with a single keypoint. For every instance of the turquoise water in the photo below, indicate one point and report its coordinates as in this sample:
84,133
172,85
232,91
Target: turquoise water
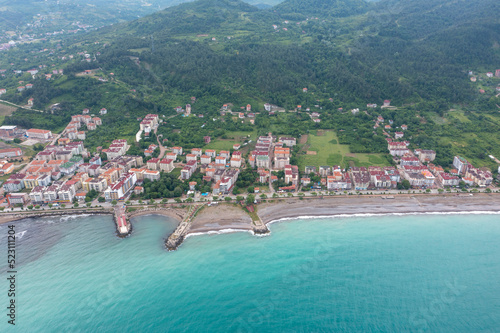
426,273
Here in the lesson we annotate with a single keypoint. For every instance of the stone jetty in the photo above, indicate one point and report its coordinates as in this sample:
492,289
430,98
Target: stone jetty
177,237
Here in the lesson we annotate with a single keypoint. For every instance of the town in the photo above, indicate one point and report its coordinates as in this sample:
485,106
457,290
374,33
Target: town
65,174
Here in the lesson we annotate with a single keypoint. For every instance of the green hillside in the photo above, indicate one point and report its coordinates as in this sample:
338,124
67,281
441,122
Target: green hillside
346,53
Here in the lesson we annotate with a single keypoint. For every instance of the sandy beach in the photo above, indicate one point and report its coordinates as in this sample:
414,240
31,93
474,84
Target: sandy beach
220,217
376,205
175,213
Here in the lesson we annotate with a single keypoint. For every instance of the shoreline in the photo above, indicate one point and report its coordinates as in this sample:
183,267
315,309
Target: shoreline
336,206
175,214
313,217
230,218
7,217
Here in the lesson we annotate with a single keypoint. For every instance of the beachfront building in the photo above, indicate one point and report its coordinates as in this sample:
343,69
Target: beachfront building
445,179
460,164
360,178
481,178
120,188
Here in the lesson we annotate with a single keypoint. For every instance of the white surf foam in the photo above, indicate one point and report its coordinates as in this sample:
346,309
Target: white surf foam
309,217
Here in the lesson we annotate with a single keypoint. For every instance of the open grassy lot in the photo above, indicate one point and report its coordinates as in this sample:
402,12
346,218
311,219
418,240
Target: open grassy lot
458,114
220,144
324,149
6,109
230,139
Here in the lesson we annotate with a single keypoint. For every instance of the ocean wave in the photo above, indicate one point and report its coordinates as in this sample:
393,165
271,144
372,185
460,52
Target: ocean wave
73,217
20,234
218,232
311,217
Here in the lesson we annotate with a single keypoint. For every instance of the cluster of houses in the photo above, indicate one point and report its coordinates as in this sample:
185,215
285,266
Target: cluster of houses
416,167
488,74
397,135
73,132
358,178
34,72
49,166
59,175
470,175
272,153
246,112
222,169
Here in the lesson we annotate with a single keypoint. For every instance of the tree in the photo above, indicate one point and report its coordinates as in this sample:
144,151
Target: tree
30,207
38,147
239,198
250,199
114,202
76,204
227,199
263,196
37,207
250,189
404,185
50,205
101,199
63,205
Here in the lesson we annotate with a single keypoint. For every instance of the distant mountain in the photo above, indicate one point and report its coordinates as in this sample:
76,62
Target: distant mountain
39,17
409,51
197,17
262,6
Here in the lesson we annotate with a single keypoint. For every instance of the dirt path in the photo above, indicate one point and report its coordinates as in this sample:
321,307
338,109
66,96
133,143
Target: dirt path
18,106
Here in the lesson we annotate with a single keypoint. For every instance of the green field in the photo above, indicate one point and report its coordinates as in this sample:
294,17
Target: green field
230,139
459,115
330,152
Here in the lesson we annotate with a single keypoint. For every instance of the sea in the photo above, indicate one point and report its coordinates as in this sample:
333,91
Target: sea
392,273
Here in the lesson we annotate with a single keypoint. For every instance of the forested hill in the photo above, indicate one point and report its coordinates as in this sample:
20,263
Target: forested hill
299,9
415,52
409,51
188,18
